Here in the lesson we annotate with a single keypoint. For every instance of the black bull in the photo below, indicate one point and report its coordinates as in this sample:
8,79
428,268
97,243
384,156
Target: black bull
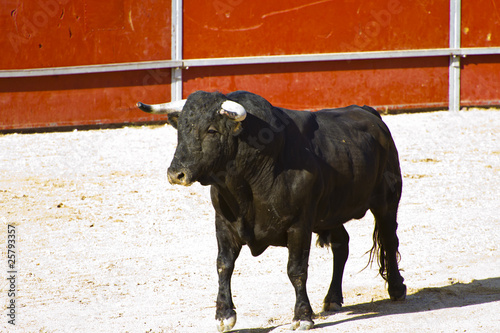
279,175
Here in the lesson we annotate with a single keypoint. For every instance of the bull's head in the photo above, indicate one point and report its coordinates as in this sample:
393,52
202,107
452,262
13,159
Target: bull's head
207,125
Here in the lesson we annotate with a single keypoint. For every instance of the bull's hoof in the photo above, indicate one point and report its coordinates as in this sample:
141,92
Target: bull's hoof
227,324
302,325
398,294
332,307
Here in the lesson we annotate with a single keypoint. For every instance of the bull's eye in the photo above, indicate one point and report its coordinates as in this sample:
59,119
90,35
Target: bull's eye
212,130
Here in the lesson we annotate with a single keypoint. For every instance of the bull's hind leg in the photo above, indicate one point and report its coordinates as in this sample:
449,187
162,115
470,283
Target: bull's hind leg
386,239
339,242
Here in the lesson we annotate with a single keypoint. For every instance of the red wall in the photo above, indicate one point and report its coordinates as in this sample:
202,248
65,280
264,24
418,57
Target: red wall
86,99
55,33
480,75
319,85
249,28
252,28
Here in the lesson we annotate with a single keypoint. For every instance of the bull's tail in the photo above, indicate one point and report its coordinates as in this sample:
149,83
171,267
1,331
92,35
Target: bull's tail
379,253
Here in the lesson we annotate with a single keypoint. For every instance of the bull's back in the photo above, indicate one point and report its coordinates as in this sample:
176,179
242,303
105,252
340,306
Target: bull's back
352,146
356,131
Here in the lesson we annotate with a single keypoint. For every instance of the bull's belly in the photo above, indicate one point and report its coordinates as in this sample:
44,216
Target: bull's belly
336,216
258,246
261,233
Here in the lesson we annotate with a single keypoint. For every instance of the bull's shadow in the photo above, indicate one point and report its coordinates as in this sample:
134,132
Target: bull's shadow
427,299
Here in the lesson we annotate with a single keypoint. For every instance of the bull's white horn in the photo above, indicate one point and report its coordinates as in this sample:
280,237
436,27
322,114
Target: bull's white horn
233,110
164,108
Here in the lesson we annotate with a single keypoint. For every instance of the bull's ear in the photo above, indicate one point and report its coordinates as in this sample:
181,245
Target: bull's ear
237,129
173,118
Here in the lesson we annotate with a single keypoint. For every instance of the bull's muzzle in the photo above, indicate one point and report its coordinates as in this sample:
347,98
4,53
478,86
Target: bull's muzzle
178,177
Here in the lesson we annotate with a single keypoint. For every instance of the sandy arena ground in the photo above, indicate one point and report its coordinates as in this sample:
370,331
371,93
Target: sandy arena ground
106,244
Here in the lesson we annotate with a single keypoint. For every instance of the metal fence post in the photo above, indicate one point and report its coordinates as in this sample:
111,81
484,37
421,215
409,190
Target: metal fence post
454,68
176,50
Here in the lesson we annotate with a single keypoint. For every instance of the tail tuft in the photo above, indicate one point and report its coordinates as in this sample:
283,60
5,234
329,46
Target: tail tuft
377,251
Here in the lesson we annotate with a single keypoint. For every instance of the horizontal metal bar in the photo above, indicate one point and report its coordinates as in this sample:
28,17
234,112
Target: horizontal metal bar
465,51
339,56
119,67
248,61
315,57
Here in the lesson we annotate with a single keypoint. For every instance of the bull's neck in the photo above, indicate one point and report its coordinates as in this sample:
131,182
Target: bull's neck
252,173
258,163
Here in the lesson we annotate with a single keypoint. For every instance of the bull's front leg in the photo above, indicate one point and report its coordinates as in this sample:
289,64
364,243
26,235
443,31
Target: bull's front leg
229,249
299,243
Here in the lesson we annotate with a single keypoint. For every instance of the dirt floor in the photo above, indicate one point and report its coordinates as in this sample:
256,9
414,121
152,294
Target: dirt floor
106,244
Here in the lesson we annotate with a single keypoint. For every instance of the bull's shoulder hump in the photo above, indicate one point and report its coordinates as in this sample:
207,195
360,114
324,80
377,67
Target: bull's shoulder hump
305,121
351,109
350,115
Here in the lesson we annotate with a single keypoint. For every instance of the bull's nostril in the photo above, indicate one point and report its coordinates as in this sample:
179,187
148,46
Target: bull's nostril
178,177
